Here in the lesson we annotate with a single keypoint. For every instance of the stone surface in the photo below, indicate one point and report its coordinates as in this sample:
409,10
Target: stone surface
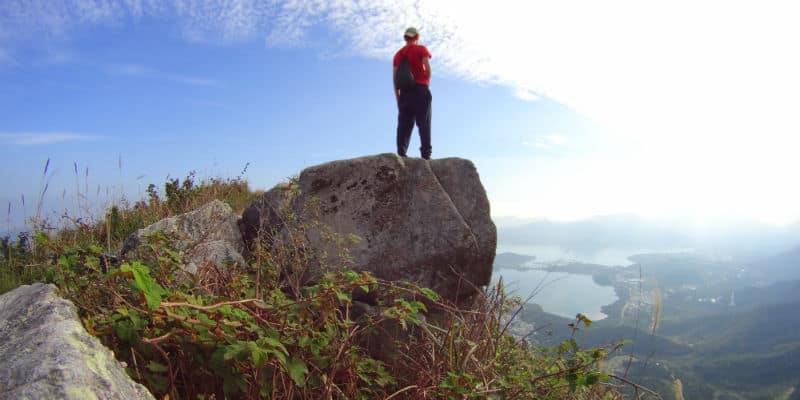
207,235
421,221
45,353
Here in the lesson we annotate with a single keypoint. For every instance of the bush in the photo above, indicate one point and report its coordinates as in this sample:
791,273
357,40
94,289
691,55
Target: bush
271,329
182,340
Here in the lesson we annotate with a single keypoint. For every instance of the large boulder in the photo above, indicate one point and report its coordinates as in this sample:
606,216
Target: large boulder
420,221
208,235
45,353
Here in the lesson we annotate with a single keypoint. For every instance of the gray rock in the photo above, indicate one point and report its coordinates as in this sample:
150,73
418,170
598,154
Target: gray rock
419,221
45,353
217,253
207,235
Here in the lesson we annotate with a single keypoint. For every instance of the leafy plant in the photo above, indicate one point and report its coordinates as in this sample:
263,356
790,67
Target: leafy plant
288,324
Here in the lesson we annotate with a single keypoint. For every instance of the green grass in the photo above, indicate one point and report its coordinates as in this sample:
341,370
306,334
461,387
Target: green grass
260,331
21,262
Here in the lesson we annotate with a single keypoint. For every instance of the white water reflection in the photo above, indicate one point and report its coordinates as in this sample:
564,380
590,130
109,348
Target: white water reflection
558,293
615,256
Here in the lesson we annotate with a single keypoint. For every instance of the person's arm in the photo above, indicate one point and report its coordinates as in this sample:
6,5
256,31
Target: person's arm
396,90
427,62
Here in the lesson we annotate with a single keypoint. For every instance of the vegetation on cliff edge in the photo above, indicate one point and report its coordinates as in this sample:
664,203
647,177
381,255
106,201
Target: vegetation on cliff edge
264,330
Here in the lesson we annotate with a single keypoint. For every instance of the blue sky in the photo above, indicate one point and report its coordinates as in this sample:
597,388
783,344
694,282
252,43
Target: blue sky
568,110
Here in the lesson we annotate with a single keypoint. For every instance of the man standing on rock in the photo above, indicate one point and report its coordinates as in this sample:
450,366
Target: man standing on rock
414,100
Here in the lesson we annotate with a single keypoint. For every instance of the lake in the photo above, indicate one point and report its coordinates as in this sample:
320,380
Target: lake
558,293
613,256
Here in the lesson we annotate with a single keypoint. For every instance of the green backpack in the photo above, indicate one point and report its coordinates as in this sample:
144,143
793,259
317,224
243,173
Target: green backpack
404,79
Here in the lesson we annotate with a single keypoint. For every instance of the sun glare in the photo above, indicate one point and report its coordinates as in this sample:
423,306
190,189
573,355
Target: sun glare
699,102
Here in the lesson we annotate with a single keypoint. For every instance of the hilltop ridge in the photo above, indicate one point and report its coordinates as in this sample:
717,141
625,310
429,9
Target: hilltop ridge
307,315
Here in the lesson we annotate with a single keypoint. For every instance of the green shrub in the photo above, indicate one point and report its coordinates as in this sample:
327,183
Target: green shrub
285,325
185,341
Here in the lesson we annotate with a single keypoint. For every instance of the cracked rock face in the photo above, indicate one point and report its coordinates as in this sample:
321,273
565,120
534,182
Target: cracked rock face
422,221
45,353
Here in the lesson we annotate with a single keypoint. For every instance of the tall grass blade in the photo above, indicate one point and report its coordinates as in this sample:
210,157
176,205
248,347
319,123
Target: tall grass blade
658,302
41,197
678,387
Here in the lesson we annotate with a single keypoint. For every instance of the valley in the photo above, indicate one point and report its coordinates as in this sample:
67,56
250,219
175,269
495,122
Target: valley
727,329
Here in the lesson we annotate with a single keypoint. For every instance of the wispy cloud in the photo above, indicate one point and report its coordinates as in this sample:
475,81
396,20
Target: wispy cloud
674,84
141,71
547,142
6,59
651,71
60,56
33,139
228,21
525,94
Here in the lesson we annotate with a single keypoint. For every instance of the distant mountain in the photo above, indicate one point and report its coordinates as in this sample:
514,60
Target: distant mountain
782,267
751,240
749,351
622,230
742,239
511,260
765,329
508,222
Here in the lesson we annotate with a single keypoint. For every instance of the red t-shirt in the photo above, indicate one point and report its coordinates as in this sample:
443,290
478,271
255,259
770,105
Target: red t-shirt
415,54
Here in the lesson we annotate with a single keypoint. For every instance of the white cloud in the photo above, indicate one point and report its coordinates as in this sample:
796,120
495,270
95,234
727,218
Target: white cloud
547,142
141,71
227,21
93,11
525,94
686,90
31,139
676,68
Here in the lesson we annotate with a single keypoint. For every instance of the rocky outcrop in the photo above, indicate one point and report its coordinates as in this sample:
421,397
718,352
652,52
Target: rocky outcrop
421,221
45,353
208,235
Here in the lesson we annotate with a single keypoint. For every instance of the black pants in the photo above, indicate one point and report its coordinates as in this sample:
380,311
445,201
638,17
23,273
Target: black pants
414,105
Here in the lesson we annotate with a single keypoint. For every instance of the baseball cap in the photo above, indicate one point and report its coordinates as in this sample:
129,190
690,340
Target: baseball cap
411,32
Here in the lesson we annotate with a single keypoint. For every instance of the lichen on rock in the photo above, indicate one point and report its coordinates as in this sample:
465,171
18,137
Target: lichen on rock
425,222
45,353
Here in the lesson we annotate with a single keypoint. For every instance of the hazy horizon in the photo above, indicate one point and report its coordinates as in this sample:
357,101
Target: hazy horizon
100,198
